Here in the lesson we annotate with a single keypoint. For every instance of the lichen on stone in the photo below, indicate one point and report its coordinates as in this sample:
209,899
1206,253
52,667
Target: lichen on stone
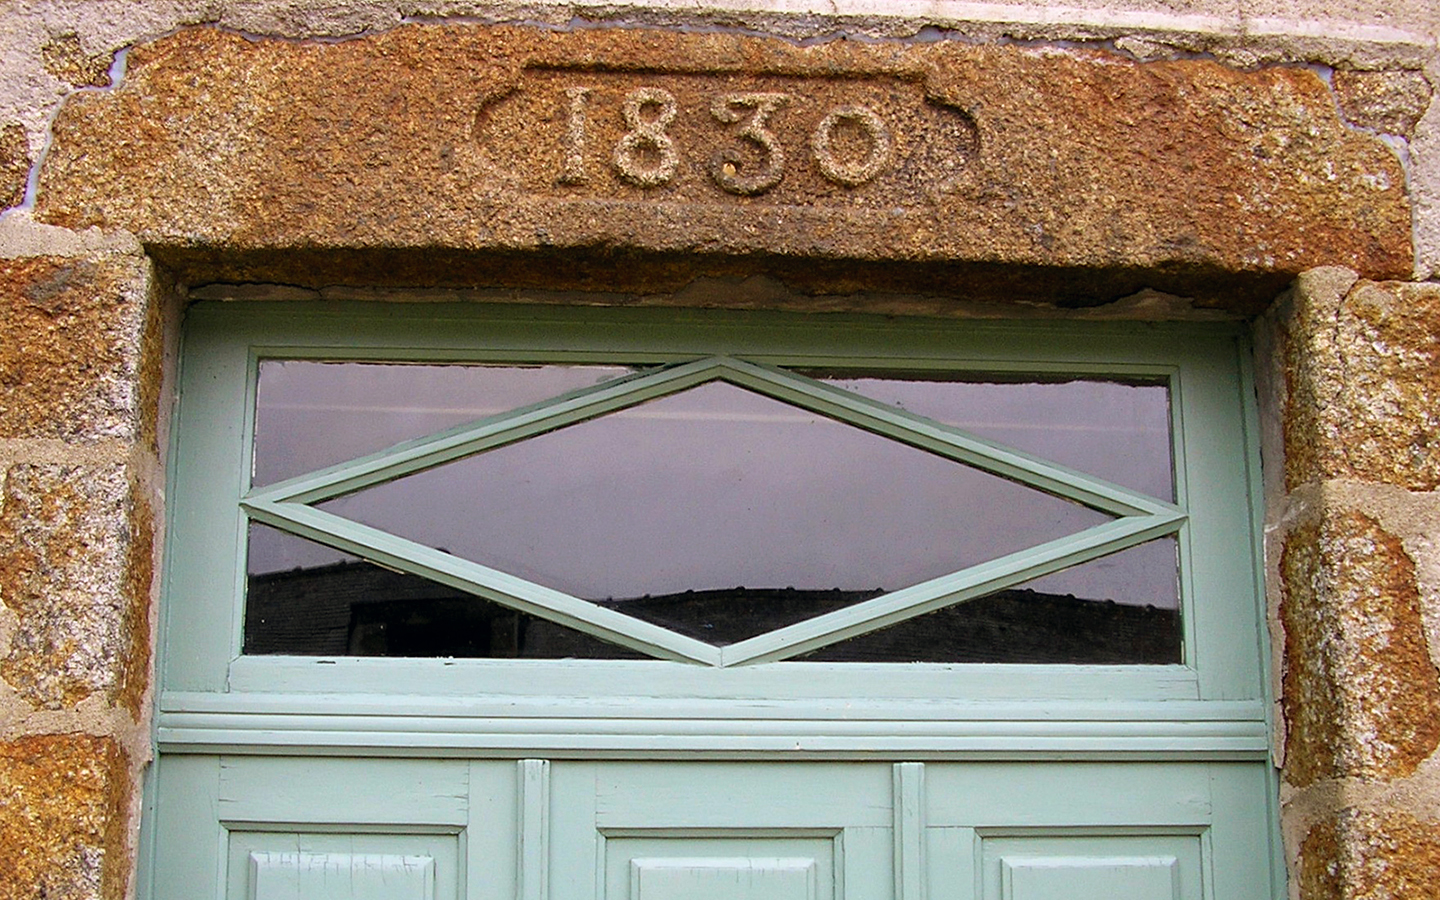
14,164
1361,693
1371,855
1363,372
64,804
75,573
70,366
64,57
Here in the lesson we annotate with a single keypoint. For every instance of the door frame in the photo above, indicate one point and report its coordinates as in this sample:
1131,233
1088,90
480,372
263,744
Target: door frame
1214,704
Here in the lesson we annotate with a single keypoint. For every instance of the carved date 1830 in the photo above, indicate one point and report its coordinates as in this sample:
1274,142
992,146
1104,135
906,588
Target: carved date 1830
696,138
648,156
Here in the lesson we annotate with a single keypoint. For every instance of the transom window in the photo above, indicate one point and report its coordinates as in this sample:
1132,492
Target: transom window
715,511
484,602
506,502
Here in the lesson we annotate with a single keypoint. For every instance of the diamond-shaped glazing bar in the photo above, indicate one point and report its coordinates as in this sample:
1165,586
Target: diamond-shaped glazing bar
500,587
286,505
967,584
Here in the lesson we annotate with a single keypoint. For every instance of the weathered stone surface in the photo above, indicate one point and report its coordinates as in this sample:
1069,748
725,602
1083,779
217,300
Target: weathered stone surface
1425,186
1361,693
973,165
1319,872
14,165
21,236
75,569
1364,855
70,363
65,58
1363,372
64,802
1390,102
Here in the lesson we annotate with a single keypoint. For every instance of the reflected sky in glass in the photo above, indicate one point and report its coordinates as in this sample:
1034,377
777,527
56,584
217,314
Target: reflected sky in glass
1070,617
352,608
717,487
309,414
712,488
1116,431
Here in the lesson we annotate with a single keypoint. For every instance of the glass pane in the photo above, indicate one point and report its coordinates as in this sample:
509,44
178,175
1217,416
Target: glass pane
663,509
728,615
306,599
1123,608
314,414
1114,430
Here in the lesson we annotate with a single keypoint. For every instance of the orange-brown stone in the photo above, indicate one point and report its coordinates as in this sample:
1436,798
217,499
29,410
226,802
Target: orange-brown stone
1361,694
1390,102
1364,385
64,57
70,364
64,807
75,569
463,154
1363,855
14,165
1319,866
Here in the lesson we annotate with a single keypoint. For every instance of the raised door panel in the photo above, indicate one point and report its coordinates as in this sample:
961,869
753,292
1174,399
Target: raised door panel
273,828
724,878
318,828
1091,878
758,831
1093,867
340,875
1076,830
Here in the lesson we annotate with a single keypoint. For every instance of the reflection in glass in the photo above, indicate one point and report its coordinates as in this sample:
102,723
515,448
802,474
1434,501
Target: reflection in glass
1117,431
728,615
313,414
311,600
663,509
1120,609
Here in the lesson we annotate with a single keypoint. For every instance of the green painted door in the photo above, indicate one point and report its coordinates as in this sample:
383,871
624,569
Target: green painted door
404,828
486,641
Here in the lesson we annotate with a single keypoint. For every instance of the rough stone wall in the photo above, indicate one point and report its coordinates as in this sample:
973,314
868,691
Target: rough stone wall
1354,581
80,503
1349,384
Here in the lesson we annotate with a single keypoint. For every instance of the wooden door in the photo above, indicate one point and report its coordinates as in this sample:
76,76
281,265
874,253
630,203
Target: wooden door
375,829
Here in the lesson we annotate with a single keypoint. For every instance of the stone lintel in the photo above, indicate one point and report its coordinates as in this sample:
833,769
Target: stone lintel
936,288
639,160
